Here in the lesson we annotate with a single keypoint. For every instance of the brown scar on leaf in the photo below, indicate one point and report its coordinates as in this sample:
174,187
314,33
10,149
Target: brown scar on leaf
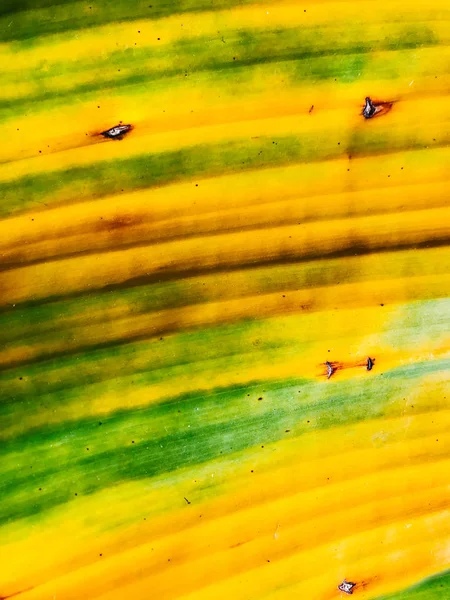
117,132
368,363
16,593
331,368
375,108
347,587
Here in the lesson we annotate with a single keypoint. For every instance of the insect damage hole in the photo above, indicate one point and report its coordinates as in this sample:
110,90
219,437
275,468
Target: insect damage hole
373,108
346,587
117,132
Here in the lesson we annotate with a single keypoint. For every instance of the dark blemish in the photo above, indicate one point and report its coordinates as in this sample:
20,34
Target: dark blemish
132,441
159,39
20,378
330,369
259,398
87,448
234,58
311,109
268,560
16,593
370,362
252,469
287,431
76,494
347,587
100,423
117,132
369,109
40,489
187,501
222,39
381,304
100,554
373,109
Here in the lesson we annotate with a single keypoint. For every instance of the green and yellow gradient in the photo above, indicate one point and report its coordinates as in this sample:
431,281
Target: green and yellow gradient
168,301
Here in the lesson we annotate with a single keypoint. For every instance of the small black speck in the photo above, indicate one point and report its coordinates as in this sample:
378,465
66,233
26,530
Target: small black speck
87,448
287,431
268,560
40,489
262,446
252,469
308,421
260,398
98,106
76,494
100,423
196,185
159,38
100,554
339,143
388,175
20,378
132,441
139,31
381,304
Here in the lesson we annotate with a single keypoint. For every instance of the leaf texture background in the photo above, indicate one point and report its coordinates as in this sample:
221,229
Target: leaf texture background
169,301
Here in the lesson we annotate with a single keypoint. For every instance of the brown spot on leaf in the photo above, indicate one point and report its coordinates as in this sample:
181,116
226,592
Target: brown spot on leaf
375,108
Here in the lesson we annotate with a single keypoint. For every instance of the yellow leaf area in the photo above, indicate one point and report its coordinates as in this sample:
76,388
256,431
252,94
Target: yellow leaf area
224,337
